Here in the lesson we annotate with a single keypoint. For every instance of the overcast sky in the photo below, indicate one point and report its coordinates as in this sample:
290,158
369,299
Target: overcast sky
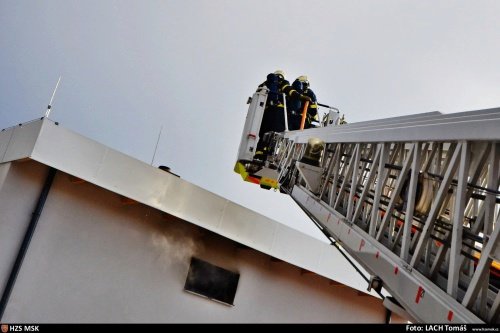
130,67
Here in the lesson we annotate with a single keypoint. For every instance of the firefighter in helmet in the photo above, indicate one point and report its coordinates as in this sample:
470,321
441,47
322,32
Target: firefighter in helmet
294,107
273,119
312,111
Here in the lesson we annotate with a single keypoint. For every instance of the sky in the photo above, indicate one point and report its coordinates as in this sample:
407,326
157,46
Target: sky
187,67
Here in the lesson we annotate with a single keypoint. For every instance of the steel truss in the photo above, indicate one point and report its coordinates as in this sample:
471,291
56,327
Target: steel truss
415,200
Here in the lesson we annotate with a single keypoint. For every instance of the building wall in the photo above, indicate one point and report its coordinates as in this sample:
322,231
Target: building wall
96,258
19,191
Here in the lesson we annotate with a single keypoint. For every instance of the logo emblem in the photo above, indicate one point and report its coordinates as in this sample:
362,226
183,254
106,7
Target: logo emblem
5,328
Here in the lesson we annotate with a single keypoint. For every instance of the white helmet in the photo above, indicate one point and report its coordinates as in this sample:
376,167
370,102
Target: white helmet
303,79
280,72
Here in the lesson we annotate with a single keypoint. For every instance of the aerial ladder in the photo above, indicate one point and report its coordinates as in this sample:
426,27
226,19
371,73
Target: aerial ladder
414,200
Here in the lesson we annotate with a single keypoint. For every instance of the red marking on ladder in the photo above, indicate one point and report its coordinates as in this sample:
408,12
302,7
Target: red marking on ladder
420,294
349,232
251,135
361,244
376,255
450,315
329,215
396,270
338,221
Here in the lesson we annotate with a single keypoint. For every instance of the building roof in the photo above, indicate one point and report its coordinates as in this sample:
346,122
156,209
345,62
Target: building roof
48,143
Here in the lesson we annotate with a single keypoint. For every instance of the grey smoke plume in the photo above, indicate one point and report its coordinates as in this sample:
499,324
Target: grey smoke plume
175,244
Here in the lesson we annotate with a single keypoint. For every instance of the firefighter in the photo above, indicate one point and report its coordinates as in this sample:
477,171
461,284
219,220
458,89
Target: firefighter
273,119
312,111
294,107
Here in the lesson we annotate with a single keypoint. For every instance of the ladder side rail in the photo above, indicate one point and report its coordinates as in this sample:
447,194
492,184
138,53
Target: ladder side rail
446,132
405,284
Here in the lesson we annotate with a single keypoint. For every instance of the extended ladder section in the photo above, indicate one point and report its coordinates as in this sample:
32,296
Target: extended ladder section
415,200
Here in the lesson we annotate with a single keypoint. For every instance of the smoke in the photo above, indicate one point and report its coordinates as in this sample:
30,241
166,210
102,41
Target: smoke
175,245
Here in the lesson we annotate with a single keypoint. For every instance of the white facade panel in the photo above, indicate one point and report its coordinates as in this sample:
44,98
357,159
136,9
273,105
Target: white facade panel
308,255
249,227
16,210
5,136
82,156
22,141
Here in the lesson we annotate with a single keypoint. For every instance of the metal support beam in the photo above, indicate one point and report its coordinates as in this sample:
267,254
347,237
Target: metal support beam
410,203
395,194
332,196
381,174
458,221
493,185
436,206
347,174
483,268
330,167
354,182
368,184
495,310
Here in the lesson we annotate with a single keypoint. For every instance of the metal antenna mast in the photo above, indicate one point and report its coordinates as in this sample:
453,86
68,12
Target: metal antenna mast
156,147
52,98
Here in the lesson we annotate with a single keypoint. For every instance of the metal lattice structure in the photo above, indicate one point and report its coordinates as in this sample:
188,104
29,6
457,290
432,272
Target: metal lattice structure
415,200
